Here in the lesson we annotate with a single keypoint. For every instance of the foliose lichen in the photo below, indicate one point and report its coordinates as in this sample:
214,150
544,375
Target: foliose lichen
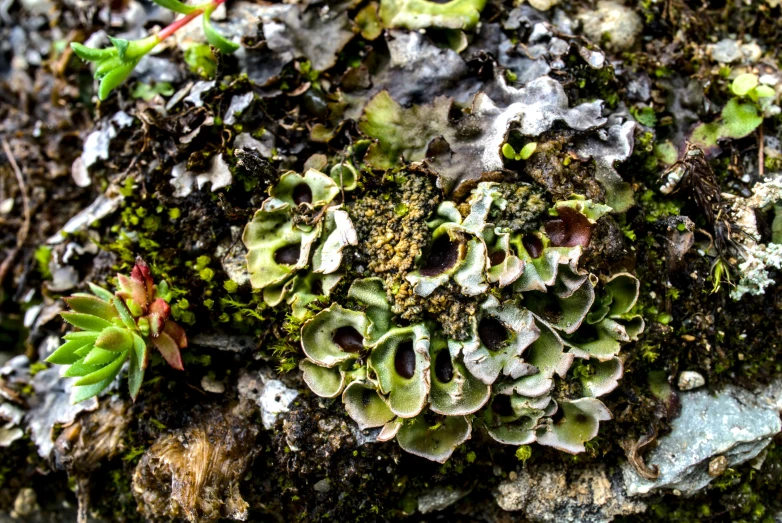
526,310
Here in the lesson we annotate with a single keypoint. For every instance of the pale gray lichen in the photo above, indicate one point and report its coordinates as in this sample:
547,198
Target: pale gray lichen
757,258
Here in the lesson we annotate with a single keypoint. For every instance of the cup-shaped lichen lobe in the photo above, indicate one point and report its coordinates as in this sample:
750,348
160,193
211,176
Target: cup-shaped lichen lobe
334,335
400,360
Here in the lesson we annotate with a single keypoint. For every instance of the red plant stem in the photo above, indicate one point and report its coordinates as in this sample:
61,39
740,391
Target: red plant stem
179,24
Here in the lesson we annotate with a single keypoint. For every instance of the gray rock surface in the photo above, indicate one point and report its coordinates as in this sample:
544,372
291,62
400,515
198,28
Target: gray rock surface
735,423
546,494
439,498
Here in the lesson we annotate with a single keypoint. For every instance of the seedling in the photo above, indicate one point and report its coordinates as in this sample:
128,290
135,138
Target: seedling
510,153
116,328
741,115
114,64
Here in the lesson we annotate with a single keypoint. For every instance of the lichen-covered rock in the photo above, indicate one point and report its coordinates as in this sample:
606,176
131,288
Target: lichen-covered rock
736,424
549,494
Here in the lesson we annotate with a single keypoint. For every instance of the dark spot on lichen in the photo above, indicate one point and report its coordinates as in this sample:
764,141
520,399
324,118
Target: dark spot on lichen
497,258
570,229
288,255
443,255
348,339
302,194
443,367
366,397
533,245
492,333
404,360
501,405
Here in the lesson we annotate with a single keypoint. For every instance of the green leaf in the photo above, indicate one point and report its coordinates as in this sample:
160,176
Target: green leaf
216,39
100,292
81,335
527,150
84,393
121,45
93,306
508,151
79,369
124,313
115,339
739,119
91,54
98,356
764,91
744,83
87,322
84,350
66,353
136,367
104,67
200,60
104,373
176,6
114,79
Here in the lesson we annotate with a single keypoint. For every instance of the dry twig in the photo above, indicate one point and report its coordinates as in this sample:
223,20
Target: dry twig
21,235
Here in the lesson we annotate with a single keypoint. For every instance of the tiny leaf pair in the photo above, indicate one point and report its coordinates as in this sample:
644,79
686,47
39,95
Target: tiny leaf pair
116,328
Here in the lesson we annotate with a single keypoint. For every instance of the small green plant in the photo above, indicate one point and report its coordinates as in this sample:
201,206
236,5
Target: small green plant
510,153
116,328
114,64
742,114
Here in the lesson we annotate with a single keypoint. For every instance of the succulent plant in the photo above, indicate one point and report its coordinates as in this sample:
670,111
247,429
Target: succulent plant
114,64
535,312
116,328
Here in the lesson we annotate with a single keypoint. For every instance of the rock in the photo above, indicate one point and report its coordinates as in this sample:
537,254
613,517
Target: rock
736,424
586,495
271,395
233,257
689,380
726,51
438,498
543,5
620,24
717,466
323,485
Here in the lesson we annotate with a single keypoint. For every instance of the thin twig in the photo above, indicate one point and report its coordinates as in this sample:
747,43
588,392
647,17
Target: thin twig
21,235
761,159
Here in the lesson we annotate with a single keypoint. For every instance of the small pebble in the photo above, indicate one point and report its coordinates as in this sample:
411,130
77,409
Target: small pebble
689,380
717,466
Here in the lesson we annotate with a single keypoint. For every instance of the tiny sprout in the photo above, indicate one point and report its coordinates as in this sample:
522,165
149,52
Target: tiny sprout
114,64
523,453
510,153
